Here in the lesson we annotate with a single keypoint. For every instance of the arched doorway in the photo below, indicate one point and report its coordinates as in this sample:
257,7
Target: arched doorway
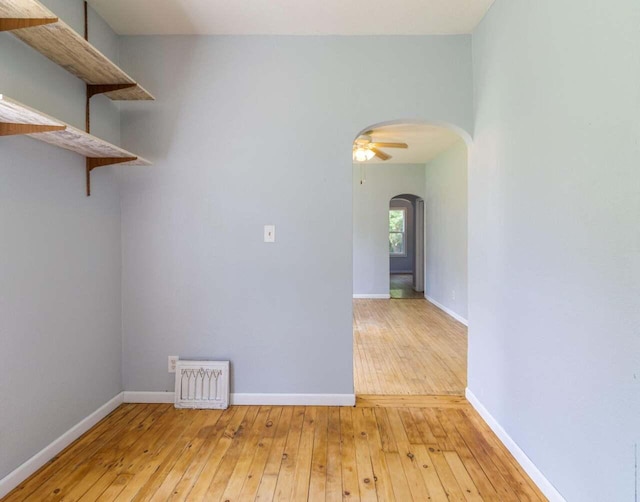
406,247
409,241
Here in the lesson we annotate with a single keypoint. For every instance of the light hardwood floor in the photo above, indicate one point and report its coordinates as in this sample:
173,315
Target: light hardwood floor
407,347
374,452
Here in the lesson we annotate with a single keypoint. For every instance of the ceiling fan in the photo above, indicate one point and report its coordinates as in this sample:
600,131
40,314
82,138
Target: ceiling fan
364,148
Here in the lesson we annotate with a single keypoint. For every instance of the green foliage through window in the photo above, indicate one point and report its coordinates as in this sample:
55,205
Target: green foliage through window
397,218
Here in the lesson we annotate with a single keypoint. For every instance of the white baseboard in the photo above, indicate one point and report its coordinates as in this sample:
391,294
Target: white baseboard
254,399
525,462
457,317
294,399
381,296
17,476
148,397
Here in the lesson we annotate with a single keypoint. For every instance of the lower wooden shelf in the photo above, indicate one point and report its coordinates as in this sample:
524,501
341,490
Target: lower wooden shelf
16,118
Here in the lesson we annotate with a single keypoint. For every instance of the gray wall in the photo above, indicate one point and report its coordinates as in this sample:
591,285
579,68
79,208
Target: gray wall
445,204
371,221
250,131
404,264
60,258
554,247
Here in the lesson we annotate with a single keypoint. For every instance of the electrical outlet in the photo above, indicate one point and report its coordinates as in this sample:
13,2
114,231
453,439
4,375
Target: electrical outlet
173,360
453,294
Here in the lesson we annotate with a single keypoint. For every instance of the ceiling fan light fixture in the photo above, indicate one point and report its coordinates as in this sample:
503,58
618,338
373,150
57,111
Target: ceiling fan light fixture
362,154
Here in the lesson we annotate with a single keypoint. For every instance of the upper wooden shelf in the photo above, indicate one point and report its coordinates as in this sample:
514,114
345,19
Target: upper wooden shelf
16,118
38,27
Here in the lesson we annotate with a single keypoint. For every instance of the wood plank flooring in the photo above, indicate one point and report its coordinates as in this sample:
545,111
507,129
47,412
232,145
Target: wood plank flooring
407,347
376,452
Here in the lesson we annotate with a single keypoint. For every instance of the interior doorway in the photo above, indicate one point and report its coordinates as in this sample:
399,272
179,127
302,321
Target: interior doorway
409,241
406,247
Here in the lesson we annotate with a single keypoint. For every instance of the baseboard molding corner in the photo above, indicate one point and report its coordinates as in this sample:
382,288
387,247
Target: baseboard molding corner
254,399
18,475
373,296
521,457
447,310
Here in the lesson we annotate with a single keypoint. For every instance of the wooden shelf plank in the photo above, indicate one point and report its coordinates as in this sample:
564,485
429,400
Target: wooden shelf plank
70,138
64,46
22,9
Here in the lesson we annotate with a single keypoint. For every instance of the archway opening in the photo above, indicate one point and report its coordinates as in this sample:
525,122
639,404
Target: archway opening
410,242
406,247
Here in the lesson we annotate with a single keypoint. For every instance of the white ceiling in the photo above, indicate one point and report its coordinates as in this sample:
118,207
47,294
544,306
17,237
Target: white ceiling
292,17
425,142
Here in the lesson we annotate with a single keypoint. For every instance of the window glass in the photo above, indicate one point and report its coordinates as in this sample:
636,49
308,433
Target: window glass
397,224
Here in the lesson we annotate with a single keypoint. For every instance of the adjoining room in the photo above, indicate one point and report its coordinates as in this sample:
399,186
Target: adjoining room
410,261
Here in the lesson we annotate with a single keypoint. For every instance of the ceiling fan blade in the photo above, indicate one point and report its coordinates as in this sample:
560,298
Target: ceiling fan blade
379,153
389,145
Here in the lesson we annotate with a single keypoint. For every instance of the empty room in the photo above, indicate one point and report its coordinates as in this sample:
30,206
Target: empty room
298,250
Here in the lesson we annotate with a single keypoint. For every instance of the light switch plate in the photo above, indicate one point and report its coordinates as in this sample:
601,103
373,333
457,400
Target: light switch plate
269,233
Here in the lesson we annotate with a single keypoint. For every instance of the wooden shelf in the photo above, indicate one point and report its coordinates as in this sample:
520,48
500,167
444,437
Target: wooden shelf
16,118
13,113
38,27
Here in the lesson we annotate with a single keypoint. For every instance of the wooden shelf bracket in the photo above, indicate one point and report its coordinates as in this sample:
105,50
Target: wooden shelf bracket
11,129
93,89
17,23
95,162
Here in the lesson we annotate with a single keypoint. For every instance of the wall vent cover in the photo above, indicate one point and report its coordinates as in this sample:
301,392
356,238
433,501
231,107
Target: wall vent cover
202,384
